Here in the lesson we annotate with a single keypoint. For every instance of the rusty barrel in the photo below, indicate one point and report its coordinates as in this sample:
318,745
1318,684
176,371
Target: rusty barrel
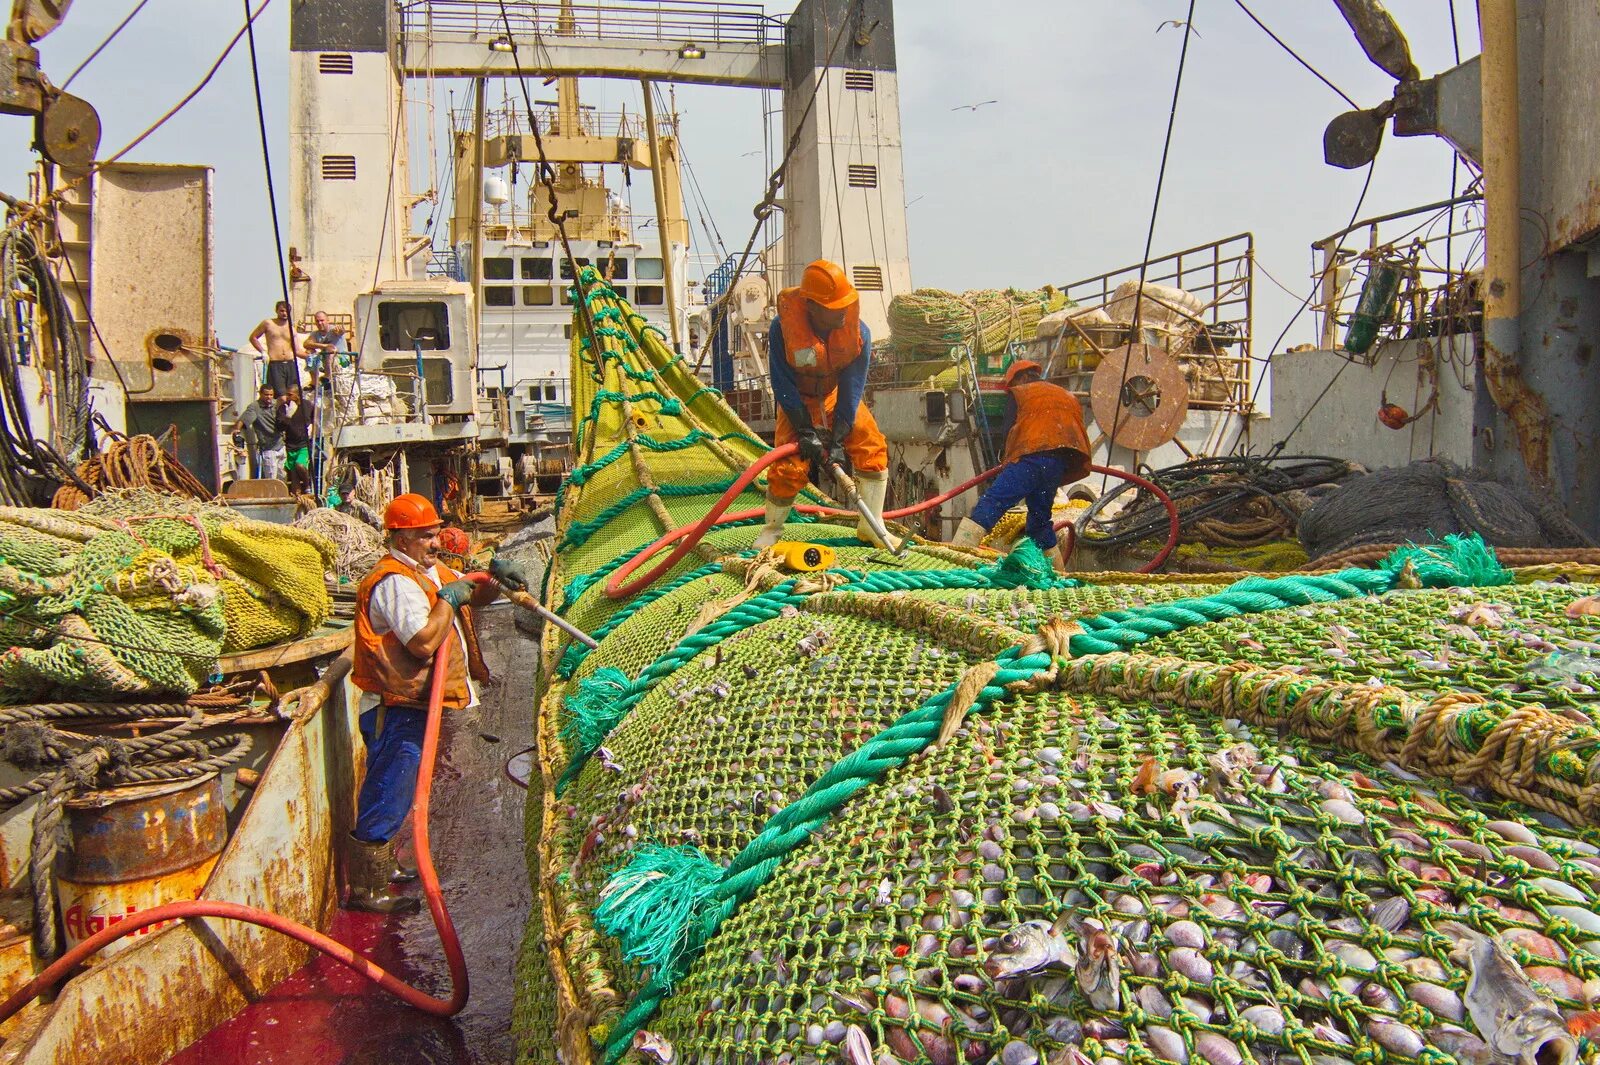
128,849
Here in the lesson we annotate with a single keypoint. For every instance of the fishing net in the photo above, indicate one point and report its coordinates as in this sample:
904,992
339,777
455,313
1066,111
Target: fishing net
957,808
1429,499
137,594
931,324
357,546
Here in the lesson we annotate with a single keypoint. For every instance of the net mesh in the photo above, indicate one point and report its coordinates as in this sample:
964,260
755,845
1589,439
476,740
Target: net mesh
893,816
137,594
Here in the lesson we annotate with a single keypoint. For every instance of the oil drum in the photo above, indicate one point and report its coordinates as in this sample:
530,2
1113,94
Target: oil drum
128,849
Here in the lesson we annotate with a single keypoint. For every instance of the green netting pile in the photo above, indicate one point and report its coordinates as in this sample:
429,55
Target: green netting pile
961,809
137,594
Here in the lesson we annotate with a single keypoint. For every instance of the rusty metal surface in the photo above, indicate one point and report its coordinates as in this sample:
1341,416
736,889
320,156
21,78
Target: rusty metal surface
128,834
144,1005
150,258
1380,37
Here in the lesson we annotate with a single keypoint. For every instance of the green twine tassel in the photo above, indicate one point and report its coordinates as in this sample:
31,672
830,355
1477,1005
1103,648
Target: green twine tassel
1024,566
650,905
1459,561
596,707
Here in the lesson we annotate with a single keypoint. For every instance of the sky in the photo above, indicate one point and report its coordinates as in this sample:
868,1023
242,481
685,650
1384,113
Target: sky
1051,183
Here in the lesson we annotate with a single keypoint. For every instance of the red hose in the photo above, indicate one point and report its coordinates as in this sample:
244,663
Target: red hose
619,587
1174,524
340,953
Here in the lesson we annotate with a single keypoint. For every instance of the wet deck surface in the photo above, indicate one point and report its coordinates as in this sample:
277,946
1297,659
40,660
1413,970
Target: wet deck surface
329,1015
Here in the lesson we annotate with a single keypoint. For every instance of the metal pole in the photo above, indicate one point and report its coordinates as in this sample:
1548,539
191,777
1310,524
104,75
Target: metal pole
667,271
1502,194
477,210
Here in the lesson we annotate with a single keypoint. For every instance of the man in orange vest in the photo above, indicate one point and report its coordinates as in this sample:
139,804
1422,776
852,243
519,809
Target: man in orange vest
406,608
819,351
1046,447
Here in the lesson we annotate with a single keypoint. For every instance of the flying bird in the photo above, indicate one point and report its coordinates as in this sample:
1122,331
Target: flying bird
1179,24
974,107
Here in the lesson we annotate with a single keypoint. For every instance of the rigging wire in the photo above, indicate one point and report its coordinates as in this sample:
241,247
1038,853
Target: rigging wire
768,204
168,115
547,177
1298,58
1316,286
1150,233
90,58
266,159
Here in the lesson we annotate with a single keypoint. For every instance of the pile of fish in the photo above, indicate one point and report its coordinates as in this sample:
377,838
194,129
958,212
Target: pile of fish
1177,890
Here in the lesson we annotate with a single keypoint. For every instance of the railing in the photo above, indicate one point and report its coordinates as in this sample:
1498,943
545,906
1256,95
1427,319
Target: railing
1437,252
670,21
513,121
1213,344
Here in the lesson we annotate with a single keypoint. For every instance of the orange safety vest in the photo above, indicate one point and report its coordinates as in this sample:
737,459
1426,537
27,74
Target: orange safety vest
383,665
1049,418
817,365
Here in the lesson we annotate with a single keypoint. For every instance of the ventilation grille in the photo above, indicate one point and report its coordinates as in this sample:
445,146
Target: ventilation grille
867,278
863,176
858,80
336,63
338,168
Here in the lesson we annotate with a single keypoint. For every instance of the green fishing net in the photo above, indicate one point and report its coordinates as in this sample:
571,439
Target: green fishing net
897,814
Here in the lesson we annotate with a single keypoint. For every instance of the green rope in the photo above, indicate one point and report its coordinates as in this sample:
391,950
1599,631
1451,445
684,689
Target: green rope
1459,560
649,920
675,946
600,703
579,532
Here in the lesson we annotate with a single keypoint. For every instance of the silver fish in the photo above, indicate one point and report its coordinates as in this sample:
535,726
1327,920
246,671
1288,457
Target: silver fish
1513,1019
1030,947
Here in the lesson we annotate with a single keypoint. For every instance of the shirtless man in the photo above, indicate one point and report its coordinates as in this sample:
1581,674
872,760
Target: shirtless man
282,370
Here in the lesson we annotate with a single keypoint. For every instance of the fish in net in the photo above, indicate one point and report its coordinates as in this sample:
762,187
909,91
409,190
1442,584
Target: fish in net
957,808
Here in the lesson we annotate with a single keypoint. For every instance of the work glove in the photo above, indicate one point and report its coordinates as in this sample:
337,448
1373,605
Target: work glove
813,447
509,574
841,432
456,593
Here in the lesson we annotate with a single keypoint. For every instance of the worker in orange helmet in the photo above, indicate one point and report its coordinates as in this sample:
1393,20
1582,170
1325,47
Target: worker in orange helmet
1046,447
406,608
819,352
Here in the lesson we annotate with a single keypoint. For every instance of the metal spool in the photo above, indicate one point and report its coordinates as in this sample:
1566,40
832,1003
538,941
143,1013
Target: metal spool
1139,396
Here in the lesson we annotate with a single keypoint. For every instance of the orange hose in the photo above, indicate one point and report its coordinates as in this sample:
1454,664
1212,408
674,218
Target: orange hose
438,1007
619,587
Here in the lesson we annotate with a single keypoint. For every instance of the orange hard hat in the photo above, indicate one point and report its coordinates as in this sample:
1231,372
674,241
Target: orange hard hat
410,511
1017,367
825,283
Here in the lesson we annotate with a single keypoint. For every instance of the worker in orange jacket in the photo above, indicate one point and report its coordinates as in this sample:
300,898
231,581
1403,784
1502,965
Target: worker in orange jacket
1046,447
819,353
406,608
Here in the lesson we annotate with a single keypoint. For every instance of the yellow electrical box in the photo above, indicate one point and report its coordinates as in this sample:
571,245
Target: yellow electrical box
802,557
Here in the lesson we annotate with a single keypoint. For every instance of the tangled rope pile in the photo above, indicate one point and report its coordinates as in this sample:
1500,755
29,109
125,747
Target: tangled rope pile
1224,501
130,462
930,323
357,546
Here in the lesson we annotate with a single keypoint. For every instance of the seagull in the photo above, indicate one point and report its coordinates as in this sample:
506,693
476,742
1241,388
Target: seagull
1179,24
974,107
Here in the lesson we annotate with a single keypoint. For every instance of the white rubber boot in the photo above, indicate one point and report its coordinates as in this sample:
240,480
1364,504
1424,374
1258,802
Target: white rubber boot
777,514
968,534
874,487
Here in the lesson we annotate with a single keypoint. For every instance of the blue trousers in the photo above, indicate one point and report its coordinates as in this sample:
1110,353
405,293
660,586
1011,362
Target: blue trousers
393,755
1034,478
